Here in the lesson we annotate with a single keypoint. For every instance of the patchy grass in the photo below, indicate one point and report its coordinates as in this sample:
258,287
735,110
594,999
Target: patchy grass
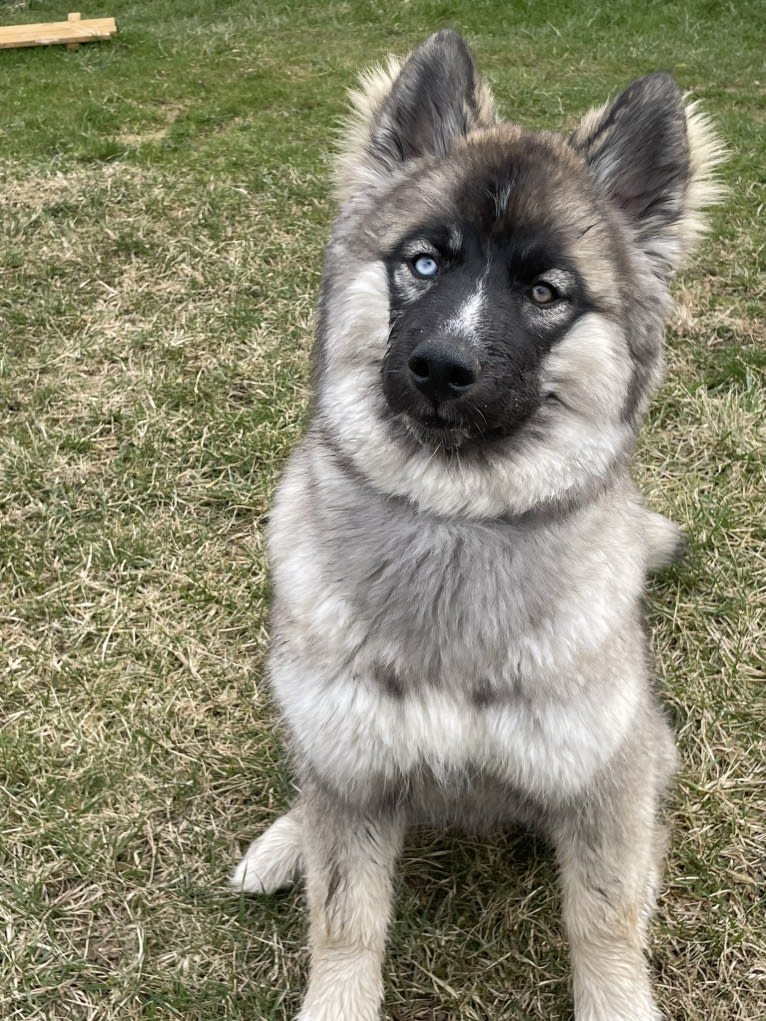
163,203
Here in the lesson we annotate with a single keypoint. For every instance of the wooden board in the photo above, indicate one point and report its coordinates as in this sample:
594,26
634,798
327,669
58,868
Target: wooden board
54,32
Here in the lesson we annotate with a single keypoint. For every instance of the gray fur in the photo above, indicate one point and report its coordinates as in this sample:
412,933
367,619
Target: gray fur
457,611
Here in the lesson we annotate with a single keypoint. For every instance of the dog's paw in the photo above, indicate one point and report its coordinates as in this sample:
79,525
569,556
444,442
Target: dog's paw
338,1013
601,1008
665,542
273,860
343,986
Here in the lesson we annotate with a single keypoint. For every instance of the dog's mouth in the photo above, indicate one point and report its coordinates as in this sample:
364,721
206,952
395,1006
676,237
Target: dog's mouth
436,423
438,432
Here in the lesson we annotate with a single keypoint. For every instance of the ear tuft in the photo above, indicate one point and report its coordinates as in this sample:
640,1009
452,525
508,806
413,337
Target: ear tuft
404,112
366,101
706,154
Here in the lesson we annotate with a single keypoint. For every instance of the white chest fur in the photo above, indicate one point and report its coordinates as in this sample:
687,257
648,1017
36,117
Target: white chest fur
358,736
405,642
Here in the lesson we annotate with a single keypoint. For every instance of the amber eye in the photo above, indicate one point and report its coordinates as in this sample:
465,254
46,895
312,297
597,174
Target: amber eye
542,294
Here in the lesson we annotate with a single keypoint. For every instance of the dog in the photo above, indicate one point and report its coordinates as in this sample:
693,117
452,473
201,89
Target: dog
458,551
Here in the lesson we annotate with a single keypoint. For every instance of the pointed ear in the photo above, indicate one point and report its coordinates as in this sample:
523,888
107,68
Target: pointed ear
402,113
653,156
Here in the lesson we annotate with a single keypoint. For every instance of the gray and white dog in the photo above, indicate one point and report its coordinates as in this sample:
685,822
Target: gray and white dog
458,551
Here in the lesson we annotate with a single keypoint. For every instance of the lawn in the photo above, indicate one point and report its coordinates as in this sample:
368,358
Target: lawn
164,200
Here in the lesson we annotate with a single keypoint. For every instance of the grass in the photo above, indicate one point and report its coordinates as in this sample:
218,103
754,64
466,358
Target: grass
163,204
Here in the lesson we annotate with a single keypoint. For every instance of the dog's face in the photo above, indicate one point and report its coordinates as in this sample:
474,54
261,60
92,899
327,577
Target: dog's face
493,304
487,286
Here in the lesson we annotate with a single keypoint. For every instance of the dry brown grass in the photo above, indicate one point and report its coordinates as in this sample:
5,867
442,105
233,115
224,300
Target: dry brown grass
155,325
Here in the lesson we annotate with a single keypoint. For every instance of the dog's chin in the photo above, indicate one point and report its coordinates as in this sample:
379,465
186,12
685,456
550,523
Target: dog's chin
435,433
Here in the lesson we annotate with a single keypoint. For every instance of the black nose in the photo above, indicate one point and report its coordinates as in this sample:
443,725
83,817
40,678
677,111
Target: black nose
441,370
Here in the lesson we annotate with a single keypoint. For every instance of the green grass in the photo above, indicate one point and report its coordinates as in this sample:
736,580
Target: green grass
163,205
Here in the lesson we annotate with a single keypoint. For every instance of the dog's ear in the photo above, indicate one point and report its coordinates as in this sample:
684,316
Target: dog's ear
653,155
400,112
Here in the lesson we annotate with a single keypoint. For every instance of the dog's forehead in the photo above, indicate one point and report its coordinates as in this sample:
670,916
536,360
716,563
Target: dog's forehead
503,182
529,184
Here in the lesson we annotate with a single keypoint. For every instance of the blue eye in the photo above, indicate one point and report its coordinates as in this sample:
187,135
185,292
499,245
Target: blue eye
425,266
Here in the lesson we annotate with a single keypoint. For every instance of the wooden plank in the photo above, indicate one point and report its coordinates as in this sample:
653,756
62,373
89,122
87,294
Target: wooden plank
54,32
73,17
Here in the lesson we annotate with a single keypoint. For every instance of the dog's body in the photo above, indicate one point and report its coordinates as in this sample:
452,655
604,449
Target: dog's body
459,554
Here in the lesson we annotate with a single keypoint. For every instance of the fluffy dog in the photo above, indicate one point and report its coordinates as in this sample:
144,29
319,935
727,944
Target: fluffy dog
458,551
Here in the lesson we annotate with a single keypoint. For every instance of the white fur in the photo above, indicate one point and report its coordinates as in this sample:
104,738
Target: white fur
664,540
551,749
466,321
346,989
590,369
706,154
273,860
358,332
467,318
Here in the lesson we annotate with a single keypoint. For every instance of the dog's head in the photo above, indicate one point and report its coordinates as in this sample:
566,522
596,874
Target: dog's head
493,303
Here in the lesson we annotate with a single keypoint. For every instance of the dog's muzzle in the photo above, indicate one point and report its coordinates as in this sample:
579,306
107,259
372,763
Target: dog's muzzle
448,398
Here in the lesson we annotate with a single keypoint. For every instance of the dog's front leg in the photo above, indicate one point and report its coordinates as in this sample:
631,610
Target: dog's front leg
609,847
350,856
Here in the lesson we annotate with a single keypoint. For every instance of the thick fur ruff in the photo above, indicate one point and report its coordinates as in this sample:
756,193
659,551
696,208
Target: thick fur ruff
458,551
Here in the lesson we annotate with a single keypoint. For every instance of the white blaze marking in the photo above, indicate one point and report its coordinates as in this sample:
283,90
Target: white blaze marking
467,318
